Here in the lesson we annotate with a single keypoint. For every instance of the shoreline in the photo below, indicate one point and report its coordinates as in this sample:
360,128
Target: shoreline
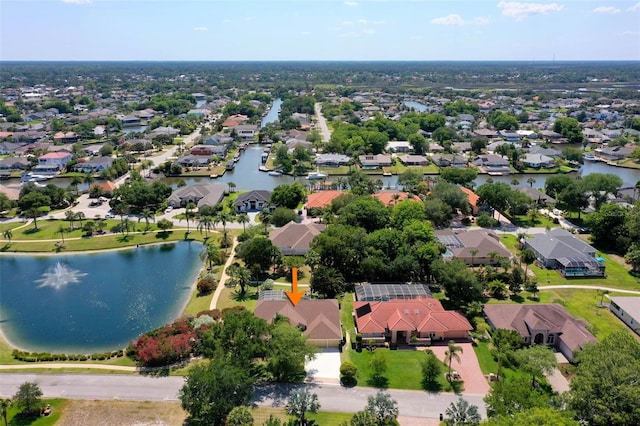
12,346
106,250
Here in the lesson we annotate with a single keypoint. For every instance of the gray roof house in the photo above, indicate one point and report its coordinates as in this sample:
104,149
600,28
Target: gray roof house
537,161
201,194
558,249
332,160
538,196
548,324
14,163
446,160
371,161
493,164
628,310
252,201
95,165
414,160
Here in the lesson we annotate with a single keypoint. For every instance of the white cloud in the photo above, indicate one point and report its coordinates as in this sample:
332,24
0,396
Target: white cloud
631,33
76,1
606,9
351,3
201,29
448,20
347,22
520,11
305,33
479,20
366,22
634,8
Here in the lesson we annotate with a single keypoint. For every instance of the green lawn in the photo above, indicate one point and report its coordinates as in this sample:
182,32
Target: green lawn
57,405
541,221
403,369
230,298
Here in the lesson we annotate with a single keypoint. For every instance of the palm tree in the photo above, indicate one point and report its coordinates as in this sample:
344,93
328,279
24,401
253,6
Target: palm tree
205,224
531,181
88,178
8,234
527,256
239,276
451,354
75,181
224,218
100,224
146,215
80,216
146,165
265,218
521,236
232,186
515,182
126,225
5,404
71,217
243,218
473,253
61,231
212,255
190,206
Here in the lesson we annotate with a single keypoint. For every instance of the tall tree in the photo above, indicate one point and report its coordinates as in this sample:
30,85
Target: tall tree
382,407
301,402
28,398
537,360
461,413
452,353
5,404
605,389
211,390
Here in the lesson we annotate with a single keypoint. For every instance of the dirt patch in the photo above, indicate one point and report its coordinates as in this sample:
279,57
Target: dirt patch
125,413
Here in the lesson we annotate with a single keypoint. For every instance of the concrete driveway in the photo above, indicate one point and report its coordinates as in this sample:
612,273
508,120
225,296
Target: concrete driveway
325,368
468,368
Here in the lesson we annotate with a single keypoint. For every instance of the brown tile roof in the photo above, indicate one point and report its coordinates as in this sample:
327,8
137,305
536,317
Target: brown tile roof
106,186
551,317
471,196
320,317
295,237
322,198
423,315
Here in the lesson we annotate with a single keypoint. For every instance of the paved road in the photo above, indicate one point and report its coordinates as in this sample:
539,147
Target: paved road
322,122
145,388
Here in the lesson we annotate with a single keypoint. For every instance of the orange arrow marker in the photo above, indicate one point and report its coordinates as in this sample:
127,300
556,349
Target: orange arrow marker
294,295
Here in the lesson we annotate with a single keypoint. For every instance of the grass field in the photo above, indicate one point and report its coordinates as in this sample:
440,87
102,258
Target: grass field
58,406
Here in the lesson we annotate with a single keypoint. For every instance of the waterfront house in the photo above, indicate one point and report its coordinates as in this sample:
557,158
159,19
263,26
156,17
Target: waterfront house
538,161
374,161
399,147
414,160
200,194
252,201
332,160
95,165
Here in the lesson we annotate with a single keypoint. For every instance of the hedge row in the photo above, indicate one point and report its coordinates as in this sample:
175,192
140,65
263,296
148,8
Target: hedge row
45,356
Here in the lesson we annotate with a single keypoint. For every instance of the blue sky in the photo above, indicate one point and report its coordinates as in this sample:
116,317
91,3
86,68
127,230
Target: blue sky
219,30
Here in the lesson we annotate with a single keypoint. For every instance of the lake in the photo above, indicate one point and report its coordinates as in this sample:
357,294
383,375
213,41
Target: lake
273,114
85,303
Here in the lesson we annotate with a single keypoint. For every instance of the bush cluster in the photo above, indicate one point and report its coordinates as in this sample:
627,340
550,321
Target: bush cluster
165,345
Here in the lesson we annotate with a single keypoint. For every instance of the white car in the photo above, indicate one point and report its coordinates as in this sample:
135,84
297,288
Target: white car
168,209
109,216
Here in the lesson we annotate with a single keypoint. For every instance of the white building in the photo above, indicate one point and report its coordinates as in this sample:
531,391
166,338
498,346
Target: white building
628,310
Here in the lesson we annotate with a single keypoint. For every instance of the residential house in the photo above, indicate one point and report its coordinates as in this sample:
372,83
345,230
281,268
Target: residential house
164,130
493,164
107,187
435,147
332,160
294,239
548,324
487,133
614,153
628,310
538,161
551,136
52,162
475,247
549,152
194,160
510,136
474,200
14,163
217,140
252,201
66,137
130,121
321,199
400,321
392,197
374,161
558,249
202,150
461,146
399,147
414,160
235,120
246,131
95,165
93,149
540,198
319,320
450,160
200,194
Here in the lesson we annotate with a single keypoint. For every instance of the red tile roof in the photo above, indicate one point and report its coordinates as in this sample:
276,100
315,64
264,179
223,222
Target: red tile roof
471,196
422,315
321,198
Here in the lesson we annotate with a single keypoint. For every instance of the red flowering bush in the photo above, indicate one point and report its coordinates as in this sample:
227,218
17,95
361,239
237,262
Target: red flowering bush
166,345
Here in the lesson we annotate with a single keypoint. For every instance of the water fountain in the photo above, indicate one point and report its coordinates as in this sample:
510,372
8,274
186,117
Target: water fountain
59,275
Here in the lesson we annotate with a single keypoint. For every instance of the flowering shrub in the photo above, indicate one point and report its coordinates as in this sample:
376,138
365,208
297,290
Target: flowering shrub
166,345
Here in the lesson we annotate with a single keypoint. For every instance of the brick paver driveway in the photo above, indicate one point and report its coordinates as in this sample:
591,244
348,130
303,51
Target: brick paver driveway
468,368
